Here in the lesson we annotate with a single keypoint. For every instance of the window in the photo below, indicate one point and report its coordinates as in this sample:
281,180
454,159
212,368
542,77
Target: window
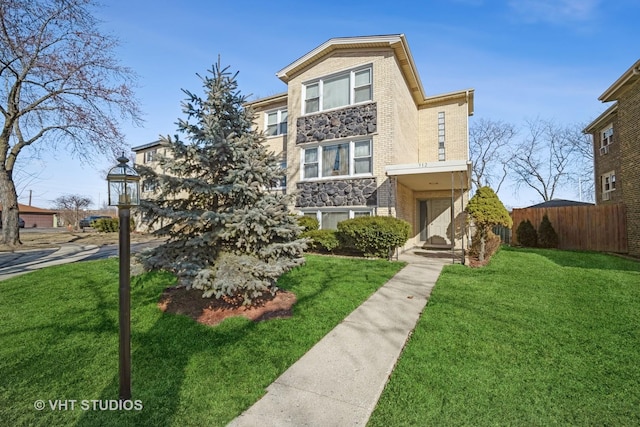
441,137
608,184
276,122
337,159
148,186
283,181
150,155
337,91
607,136
310,164
329,219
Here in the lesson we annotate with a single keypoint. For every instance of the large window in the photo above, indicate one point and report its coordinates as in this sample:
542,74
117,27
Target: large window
337,91
329,219
276,122
337,160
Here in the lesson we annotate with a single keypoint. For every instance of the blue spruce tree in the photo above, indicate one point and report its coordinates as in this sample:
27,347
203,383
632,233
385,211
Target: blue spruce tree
227,233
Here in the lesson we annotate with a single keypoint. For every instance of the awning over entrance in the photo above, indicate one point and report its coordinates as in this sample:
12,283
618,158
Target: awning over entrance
432,175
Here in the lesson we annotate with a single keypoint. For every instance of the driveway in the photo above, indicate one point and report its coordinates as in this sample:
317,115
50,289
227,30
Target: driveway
16,263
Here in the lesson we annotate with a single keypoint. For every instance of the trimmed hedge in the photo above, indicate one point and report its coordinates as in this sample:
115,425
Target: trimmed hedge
308,223
322,240
374,236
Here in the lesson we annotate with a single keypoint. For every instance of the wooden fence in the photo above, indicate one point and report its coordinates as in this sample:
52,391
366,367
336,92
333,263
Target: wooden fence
594,228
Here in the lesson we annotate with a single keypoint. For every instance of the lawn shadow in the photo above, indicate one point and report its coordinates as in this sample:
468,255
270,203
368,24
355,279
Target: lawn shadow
160,358
585,259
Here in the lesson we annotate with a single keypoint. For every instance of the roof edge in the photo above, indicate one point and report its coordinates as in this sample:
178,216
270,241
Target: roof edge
601,119
611,94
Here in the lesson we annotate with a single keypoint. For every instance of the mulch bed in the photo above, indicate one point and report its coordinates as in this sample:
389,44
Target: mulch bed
211,311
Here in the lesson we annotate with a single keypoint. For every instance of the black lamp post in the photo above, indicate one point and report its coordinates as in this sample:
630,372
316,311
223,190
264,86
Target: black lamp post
124,192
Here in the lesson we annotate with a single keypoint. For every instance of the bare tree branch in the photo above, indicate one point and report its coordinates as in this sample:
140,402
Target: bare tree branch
546,158
489,146
60,84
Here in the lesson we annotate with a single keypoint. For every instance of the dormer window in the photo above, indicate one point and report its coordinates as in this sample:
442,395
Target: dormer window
338,90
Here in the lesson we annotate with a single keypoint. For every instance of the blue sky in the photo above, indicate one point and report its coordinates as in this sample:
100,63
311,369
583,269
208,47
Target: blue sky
524,58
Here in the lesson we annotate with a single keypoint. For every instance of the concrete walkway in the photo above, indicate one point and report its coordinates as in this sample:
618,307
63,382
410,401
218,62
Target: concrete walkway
338,382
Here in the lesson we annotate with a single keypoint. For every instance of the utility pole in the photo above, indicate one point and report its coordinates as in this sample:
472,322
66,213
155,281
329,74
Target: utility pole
30,192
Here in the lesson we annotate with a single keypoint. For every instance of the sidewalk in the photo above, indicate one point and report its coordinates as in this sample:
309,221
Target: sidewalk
338,382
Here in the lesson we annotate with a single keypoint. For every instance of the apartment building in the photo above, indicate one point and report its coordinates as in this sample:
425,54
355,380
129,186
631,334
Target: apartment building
616,145
357,135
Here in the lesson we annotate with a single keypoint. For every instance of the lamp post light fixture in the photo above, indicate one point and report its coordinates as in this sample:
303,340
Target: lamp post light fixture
124,192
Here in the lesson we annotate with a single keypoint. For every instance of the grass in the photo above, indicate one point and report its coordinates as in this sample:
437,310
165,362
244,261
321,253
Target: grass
538,337
59,341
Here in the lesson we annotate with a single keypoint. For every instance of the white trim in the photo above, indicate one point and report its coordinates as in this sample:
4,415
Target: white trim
428,167
351,166
351,72
351,210
278,123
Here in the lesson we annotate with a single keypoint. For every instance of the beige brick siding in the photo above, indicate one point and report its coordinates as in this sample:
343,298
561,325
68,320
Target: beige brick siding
456,131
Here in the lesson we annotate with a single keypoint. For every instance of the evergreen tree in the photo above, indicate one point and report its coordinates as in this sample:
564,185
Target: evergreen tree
227,233
547,236
527,235
487,211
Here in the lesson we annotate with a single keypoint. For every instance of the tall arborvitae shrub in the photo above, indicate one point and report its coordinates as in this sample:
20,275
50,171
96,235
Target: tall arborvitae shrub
547,236
526,234
227,233
486,211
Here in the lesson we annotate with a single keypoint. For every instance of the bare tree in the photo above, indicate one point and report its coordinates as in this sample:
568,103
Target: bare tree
70,206
60,85
490,151
583,178
545,159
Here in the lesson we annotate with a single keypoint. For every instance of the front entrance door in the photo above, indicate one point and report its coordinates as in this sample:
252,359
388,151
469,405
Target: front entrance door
435,221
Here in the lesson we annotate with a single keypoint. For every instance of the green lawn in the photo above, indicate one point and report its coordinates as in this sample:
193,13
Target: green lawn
537,338
59,340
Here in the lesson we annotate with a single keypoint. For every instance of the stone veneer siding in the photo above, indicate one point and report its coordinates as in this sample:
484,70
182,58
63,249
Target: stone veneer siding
348,192
344,123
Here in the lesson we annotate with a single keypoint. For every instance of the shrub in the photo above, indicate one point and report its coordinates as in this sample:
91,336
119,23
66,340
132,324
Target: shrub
491,245
106,225
374,236
308,223
322,240
527,235
547,236
487,211
110,225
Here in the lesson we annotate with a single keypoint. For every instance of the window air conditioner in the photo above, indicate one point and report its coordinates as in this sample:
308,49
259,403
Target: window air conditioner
604,150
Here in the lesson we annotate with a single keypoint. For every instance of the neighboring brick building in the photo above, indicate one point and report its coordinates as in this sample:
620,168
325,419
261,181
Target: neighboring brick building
358,136
616,139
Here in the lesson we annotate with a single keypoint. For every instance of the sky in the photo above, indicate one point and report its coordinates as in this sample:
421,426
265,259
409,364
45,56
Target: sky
525,59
